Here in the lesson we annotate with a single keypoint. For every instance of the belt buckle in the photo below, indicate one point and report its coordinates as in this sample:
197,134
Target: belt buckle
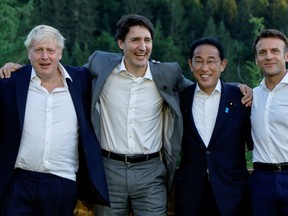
126,159
279,168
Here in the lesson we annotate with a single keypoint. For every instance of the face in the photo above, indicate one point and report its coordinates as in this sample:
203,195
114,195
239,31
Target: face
270,57
206,67
44,57
137,49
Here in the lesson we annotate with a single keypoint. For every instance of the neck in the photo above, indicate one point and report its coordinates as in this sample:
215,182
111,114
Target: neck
136,71
272,81
53,82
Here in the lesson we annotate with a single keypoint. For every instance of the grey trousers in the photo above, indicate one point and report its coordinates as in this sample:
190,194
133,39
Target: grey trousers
139,187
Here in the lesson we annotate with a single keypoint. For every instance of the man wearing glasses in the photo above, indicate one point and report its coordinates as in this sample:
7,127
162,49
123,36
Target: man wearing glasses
212,179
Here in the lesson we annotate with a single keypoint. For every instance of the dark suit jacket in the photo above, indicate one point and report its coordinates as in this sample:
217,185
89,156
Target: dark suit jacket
224,156
13,95
169,81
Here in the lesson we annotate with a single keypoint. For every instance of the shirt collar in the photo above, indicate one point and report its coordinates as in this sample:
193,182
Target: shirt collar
283,82
122,68
217,88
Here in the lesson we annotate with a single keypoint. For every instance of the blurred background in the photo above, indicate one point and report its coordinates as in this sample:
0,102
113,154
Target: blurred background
89,25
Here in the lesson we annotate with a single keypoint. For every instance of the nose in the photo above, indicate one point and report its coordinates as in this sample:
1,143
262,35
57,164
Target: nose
204,66
44,54
142,45
269,55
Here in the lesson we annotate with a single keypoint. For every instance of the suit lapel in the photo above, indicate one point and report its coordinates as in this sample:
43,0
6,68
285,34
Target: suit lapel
222,112
22,85
189,105
165,90
103,73
75,92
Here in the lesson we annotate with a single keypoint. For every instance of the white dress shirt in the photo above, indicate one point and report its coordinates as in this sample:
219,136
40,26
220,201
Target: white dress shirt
205,109
269,119
131,113
49,142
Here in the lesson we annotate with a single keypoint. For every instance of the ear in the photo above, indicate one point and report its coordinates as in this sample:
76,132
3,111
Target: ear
223,65
190,63
286,56
28,54
60,54
120,44
256,62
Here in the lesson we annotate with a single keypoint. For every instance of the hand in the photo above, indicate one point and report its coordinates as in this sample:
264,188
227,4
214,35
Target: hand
5,71
248,95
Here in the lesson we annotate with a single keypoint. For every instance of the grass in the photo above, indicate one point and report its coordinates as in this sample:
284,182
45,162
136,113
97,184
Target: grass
249,160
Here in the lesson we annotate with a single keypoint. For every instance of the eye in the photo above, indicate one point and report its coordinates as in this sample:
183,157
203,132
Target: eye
148,40
275,51
261,52
51,51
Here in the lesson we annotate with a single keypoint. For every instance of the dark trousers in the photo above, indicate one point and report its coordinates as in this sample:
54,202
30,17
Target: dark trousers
38,194
204,205
269,193
187,204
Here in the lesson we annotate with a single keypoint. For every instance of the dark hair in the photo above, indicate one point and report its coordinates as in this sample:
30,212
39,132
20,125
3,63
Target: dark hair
127,21
209,41
270,33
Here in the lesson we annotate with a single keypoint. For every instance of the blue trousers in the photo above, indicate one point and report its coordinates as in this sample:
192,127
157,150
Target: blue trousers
38,194
269,193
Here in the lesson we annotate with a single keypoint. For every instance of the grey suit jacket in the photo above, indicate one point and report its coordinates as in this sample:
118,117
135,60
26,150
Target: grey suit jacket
169,81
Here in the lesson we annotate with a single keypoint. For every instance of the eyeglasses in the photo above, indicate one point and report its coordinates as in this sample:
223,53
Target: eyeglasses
210,63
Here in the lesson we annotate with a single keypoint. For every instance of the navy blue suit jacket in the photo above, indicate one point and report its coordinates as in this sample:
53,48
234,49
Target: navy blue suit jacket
91,179
224,157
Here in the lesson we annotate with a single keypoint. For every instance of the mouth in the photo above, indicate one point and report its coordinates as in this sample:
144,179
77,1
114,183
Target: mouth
140,55
44,64
205,75
269,64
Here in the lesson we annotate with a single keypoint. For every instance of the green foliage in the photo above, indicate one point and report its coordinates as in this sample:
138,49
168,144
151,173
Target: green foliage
249,161
12,23
89,25
257,23
105,42
254,73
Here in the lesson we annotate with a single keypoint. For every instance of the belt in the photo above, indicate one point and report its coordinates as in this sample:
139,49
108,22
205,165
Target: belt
137,158
275,167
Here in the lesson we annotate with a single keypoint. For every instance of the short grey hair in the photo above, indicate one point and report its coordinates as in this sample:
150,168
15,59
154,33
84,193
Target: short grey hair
42,33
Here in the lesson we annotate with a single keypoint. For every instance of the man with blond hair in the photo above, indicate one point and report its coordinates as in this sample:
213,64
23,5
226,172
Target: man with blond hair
47,143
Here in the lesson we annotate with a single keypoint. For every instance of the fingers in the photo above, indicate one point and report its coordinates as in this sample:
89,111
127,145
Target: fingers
5,71
248,95
247,100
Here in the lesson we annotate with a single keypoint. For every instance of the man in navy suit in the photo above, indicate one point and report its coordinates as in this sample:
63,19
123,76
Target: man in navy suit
212,178
49,155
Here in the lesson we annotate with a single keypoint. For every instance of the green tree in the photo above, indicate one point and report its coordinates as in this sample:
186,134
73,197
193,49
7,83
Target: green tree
13,22
254,73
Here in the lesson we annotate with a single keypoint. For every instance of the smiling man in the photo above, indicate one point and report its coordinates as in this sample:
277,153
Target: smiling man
212,179
136,115
49,155
269,119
